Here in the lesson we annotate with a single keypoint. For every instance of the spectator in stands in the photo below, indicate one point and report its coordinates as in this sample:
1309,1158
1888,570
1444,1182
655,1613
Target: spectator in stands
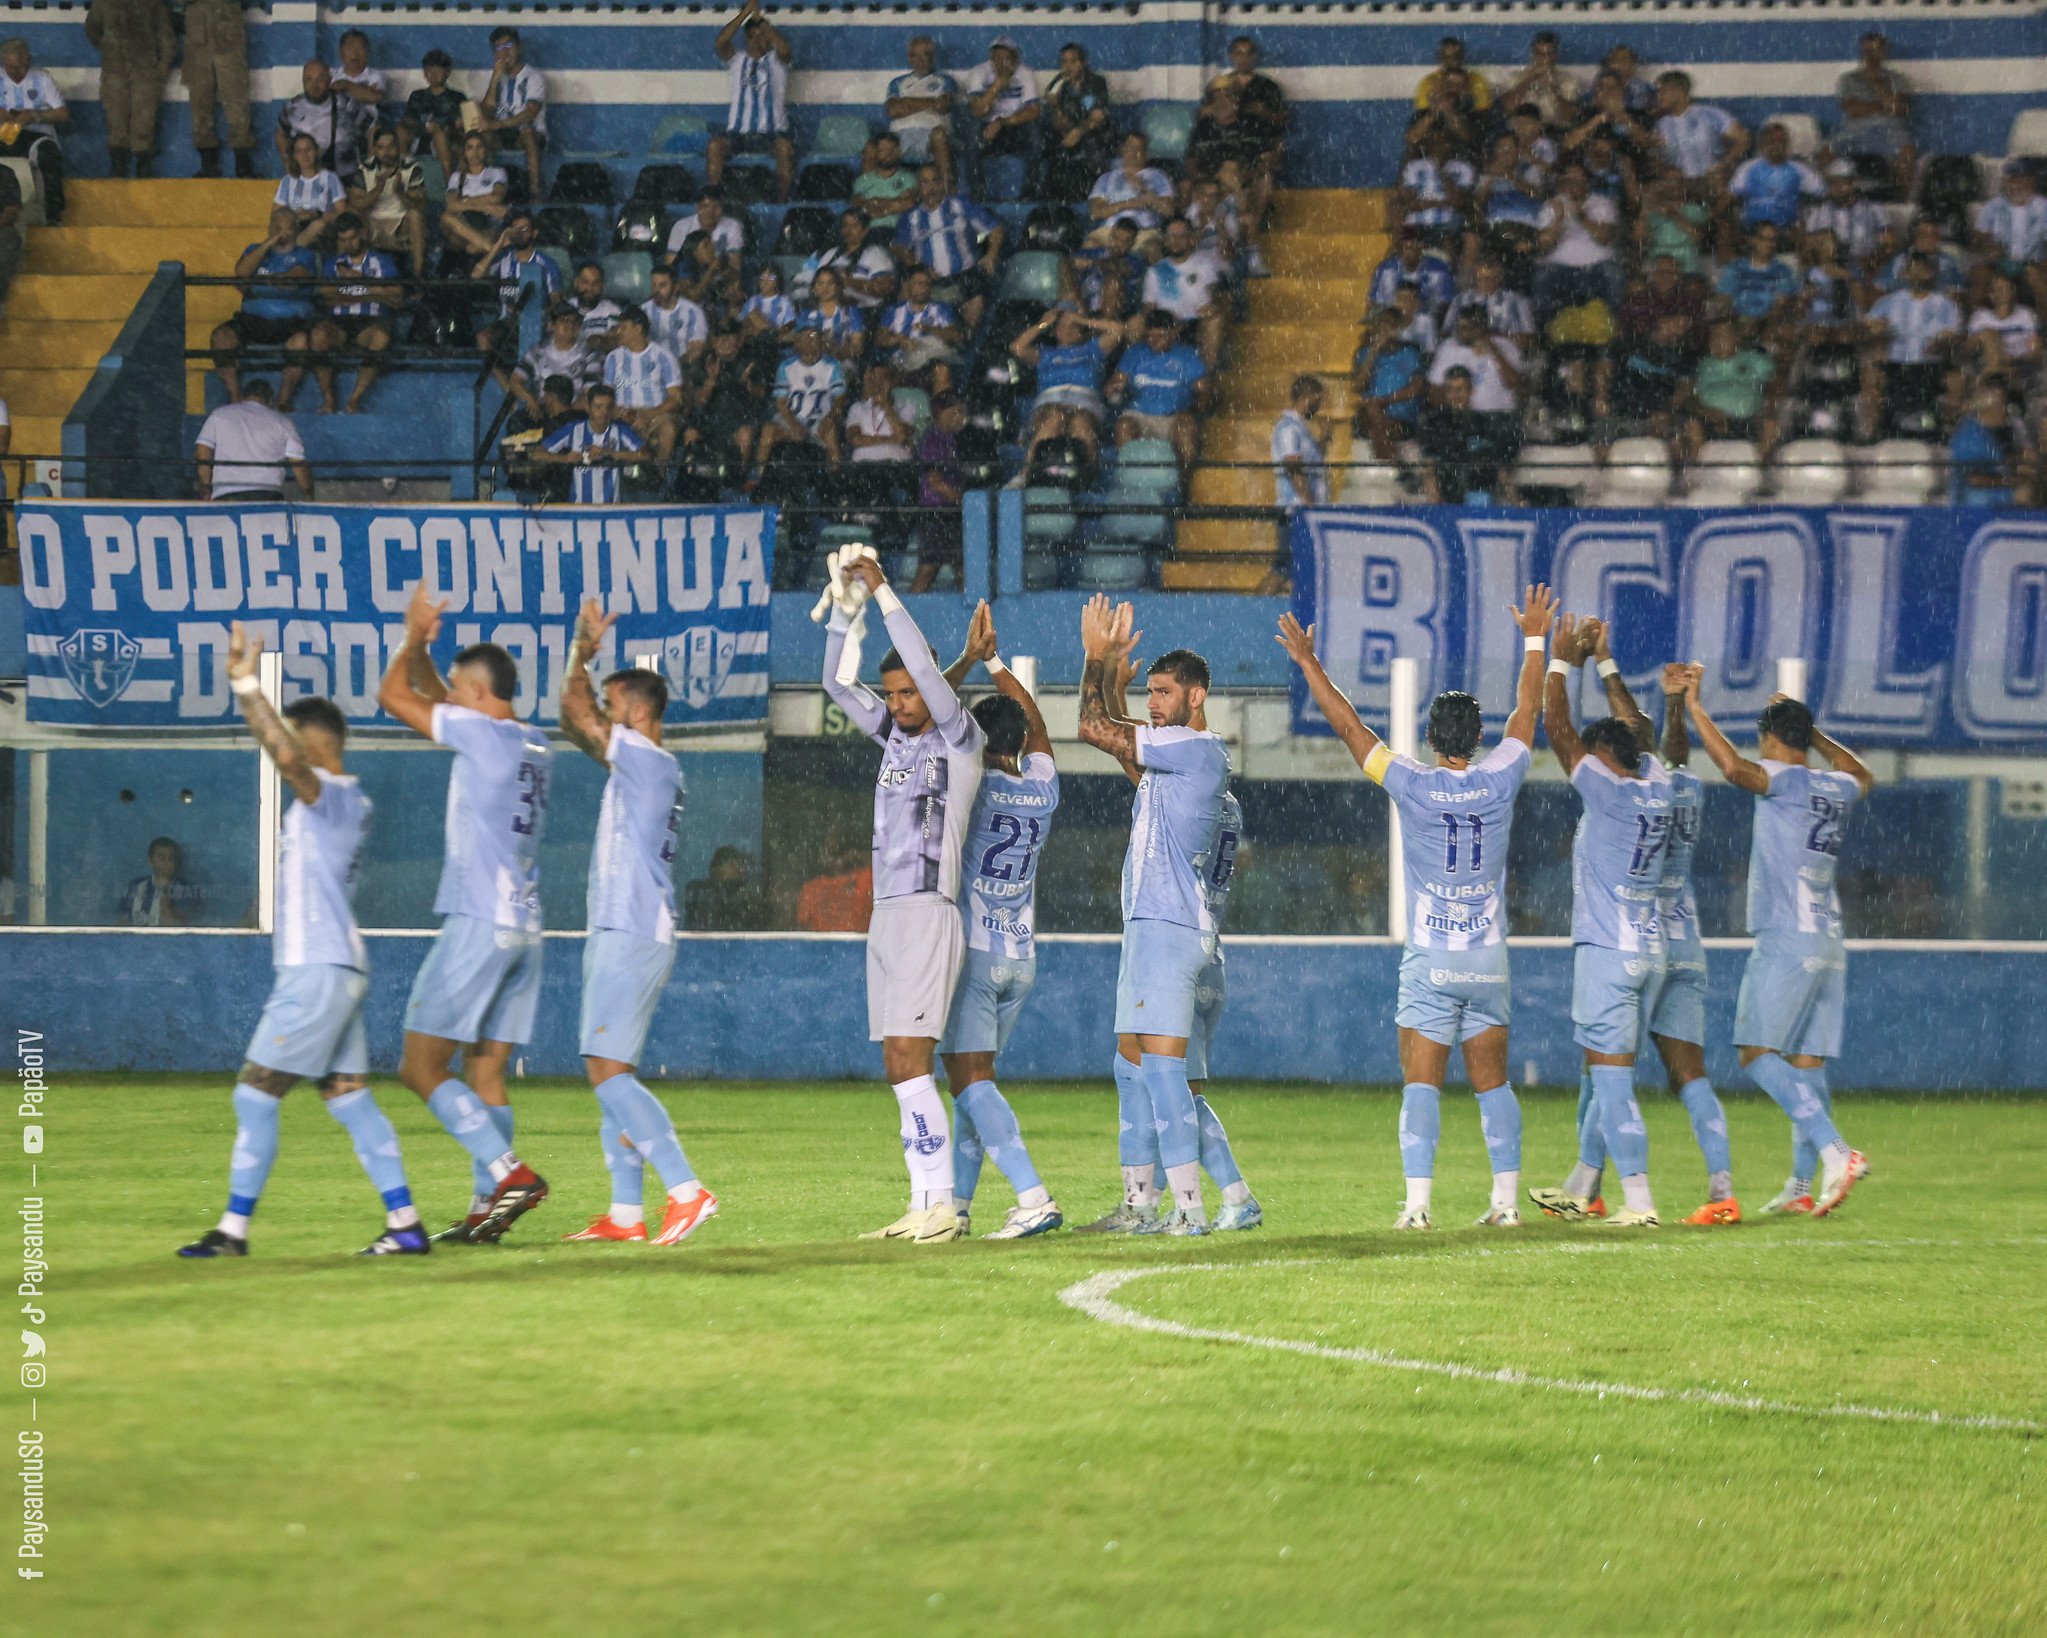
707,276
832,312
678,323
1300,448
647,379
1761,291
525,433
1418,326
1191,285
1221,134
1578,231
1464,450
1827,312
1493,364
1658,355
881,438
727,233
1673,225
1923,239
161,897
514,103
841,898
2002,334
867,272
940,232
362,302
1071,354
389,194
941,487
1411,264
1078,135
885,190
1914,330
1608,113
433,113
1731,395
31,110
809,388
1506,206
312,193
1701,142
244,449
1539,150
1002,95
473,218
729,398
10,233
513,258
725,899
1876,112
1389,380
1435,187
596,447
339,131
276,314
1260,100
1666,292
1772,186
1162,384
1855,222
769,311
1545,83
600,314
1990,462
216,71
2011,234
561,354
1469,90
1639,93
919,108
1133,190
1507,312
1220,230
1611,174
1108,279
1450,113
136,46
921,336
758,119
367,87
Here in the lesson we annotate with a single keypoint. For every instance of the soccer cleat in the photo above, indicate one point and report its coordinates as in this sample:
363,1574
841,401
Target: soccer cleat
684,1217
1025,1222
966,1223
603,1228
1716,1212
1627,1217
1500,1217
1178,1224
1572,1208
1795,1197
1834,1185
923,1226
522,1189
1246,1214
462,1233
411,1241
1412,1217
1125,1219
214,1243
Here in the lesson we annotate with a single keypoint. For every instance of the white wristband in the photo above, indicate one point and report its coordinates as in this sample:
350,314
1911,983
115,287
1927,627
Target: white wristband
995,665
886,600
1534,645
1562,668
245,685
1608,669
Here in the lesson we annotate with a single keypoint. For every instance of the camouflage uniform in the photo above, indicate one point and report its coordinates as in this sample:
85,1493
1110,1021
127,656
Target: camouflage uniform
136,47
217,70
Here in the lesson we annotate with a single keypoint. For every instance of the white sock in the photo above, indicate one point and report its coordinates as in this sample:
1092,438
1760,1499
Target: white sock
503,1167
1186,1185
1506,1190
1140,1188
1032,1199
1636,1189
1833,1159
927,1141
932,1200
1418,1190
1583,1181
403,1217
626,1216
233,1222
1235,1194
683,1193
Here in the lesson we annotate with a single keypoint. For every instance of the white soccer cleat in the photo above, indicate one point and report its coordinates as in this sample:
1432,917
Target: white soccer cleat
1412,1217
1026,1222
1836,1181
1178,1224
1627,1217
1500,1217
1245,1214
1795,1198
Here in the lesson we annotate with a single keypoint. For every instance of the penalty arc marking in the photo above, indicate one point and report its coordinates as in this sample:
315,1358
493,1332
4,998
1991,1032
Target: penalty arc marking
1095,1297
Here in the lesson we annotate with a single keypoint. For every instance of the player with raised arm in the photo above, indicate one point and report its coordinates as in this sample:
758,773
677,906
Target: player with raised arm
477,990
1455,822
1788,1017
1005,839
1616,905
630,945
1169,934
923,798
311,1026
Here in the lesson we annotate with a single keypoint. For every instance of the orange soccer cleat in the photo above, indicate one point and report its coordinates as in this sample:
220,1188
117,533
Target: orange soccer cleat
1715,1213
684,1217
1597,1208
603,1228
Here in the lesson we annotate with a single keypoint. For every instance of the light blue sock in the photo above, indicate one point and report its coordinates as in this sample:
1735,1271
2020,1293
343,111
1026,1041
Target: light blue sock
466,1118
995,1125
1172,1109
1794,1092
644,1119
503,1122
1620,1118
967,1154
1709,1124
1421,1125
1136,1142
628,1167
1216,1157
1805,1159
255,1148
1591,1145
1499,1119
376,1144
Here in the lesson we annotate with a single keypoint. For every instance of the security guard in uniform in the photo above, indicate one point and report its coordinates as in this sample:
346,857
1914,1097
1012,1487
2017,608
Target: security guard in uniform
136,47
217,70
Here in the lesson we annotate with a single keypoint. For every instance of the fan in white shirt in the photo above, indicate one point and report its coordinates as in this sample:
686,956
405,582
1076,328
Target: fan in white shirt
1189,283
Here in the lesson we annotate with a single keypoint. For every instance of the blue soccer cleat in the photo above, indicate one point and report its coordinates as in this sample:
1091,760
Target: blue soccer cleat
399,1242
1023,1222
1247,1214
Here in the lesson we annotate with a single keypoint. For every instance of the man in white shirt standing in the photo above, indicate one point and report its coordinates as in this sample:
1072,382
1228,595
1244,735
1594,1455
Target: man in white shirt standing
244,448
758,119
31,109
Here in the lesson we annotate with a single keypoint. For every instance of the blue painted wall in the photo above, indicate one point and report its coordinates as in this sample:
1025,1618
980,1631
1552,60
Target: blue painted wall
770,1008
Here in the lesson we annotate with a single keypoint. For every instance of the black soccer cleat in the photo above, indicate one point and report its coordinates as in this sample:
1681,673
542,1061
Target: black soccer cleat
461,1232
215,1243
399,1242
518,1194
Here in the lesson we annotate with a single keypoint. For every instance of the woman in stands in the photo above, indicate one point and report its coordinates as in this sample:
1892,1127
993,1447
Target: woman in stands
1071,366
312,193
845,332
476,199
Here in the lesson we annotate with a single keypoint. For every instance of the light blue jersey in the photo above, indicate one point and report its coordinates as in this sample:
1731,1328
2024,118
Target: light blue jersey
1617,856
632,887
1680,910
1795,851
1012,818
1174,825
1222,862
317,860
1210,990
1454,828
497,813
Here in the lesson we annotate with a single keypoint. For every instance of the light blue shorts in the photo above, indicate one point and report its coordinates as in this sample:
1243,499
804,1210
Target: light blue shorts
1794,995
623,975
1452,995
1209,995
1610,995
478,983
987,1001
312,1024
1677,1006
1159,973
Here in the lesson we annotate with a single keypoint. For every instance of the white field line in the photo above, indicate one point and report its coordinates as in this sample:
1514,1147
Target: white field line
1094,1297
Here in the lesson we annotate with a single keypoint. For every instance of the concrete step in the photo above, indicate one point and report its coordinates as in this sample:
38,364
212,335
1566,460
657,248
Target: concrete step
1306,300
161,202
1331,210
36,346
74,250
1349,257
1326,347
34,435
1220,576
84,296
42,392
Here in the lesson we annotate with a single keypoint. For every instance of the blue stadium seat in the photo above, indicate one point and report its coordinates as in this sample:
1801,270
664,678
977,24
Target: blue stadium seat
1108,568
680,134
1031,277
1003,178
628,276
564,263
1167,126
1048,515
840,136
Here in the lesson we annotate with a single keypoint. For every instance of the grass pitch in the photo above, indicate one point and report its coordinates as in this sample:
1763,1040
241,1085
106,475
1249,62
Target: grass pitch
778,1429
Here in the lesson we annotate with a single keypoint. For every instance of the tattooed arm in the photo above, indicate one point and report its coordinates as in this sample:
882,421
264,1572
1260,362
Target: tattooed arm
582,713
1102,630
272,732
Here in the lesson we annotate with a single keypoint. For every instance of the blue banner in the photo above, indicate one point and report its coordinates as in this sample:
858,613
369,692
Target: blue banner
129,605
1924,628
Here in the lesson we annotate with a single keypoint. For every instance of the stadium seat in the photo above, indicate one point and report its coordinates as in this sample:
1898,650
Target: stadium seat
1812,472
1802,129
628,276
1167,127
567,226
1048,515
433,180
1003,178
1728,472
2028,134
841,136
1031,276
666,184
1899,472
680,134
564,263
914,403
1153,457
1637,473
1374,484
1111,568
31,195
1572,469
749,180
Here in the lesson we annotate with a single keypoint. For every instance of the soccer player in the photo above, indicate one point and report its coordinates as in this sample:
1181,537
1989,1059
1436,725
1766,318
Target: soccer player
312,1024
1005,839
1169,931
630,946
1455,821
931,749
478,987
1787,1019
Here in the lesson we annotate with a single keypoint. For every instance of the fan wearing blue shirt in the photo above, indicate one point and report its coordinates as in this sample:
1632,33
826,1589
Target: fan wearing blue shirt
1388,381
273,314
1162,385
1759,287
1773,187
